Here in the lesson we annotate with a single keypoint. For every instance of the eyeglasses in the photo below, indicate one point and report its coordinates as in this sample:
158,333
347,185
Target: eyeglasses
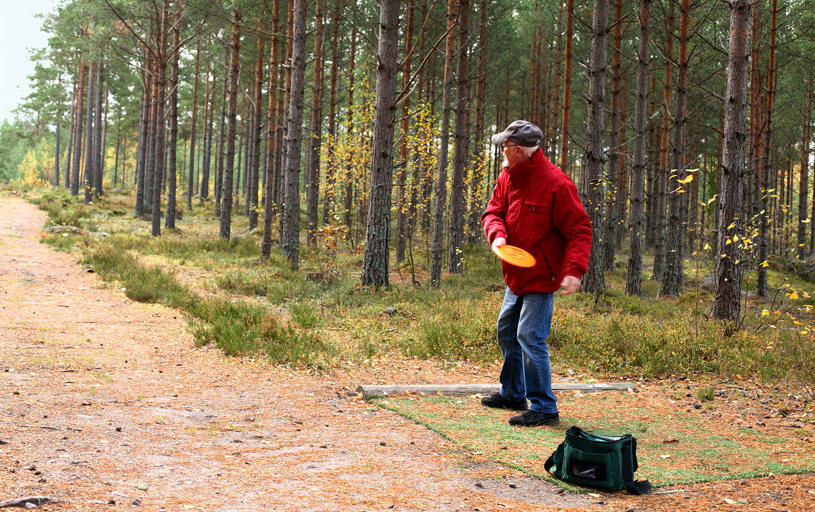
509,146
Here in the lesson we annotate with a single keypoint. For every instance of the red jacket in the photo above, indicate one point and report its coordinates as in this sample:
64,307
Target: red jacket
535,206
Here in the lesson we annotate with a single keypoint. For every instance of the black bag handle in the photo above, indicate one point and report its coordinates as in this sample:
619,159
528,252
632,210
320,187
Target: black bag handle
629,466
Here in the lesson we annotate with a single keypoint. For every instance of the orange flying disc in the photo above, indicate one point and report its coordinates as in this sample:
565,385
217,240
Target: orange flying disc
514,256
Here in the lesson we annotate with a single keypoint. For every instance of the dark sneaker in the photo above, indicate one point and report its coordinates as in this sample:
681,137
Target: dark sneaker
496,401
535,418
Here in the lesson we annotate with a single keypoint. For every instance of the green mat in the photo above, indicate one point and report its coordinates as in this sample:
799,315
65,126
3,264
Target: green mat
673,446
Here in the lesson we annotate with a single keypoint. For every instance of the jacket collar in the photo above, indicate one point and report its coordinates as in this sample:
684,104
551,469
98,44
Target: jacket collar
522,169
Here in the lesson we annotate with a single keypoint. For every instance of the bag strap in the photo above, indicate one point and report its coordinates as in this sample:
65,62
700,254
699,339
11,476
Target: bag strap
629,466
551,460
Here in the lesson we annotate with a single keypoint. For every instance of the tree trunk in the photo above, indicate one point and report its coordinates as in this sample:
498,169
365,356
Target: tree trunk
78,131
172,171
441,181
672,277
330,195
161,72
567,88
315,141
254,171
633,279
402,224
594,280
219,163
193,126
803,189
269,207
290,215
614,141
89,159
480,162
727,292
763,252
663,171
205,149
98,135
232,119
375,262
457,210
349,181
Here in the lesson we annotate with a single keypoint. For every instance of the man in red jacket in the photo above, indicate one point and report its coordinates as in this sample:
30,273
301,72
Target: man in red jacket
534,206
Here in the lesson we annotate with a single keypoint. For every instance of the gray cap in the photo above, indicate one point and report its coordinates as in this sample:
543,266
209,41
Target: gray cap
520,132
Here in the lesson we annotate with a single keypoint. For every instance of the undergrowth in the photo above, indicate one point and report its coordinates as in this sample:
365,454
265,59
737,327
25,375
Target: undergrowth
320,315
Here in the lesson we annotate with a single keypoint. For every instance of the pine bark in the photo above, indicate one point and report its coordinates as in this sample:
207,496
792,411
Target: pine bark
232,115
254,171
290,212
614,142
633,279
269,206
763,250
594,280
567,87
193,126
375,262
672,277
402,224
315,140
457,209
727,291
803,190
172,171
480,162
662,171
441,179
161,89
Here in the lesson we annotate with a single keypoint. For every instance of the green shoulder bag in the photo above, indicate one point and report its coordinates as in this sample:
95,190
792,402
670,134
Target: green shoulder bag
605,462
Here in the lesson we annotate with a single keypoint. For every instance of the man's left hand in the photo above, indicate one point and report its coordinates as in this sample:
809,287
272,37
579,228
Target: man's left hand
569,285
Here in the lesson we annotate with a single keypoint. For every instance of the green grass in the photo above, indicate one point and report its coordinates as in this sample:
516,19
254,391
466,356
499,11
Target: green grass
673,447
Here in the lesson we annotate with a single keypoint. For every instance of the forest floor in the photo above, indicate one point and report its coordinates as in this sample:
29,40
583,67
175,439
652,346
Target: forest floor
107,404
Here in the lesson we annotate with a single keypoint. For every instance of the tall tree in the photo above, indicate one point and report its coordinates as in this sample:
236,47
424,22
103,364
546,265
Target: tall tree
457,210
315,140
614,140
160,62
232,128
567,87
172,170
271,138
193,126
441,180
672,276
375,263
594,280
727,291
633,279
763,252
290,212
803,189
89,160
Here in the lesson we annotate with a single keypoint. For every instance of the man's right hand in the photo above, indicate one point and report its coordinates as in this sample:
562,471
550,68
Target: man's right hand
498,242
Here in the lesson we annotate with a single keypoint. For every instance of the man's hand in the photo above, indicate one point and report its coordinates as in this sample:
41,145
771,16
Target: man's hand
498,242
569,285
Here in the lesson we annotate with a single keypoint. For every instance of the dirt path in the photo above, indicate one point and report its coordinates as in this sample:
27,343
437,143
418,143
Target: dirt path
105,403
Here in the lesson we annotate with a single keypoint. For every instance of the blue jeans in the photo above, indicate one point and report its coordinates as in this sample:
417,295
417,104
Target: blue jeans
523,327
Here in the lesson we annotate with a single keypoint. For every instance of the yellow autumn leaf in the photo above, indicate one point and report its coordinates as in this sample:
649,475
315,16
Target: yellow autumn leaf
731,226
765,263
794,295
764,312
686,180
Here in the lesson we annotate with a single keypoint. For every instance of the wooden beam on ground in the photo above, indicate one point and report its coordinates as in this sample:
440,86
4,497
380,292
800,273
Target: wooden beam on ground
369,390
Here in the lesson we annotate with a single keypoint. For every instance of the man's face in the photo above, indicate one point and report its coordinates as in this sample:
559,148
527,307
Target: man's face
512,153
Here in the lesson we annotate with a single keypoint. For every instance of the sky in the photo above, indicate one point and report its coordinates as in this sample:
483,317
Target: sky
19,32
